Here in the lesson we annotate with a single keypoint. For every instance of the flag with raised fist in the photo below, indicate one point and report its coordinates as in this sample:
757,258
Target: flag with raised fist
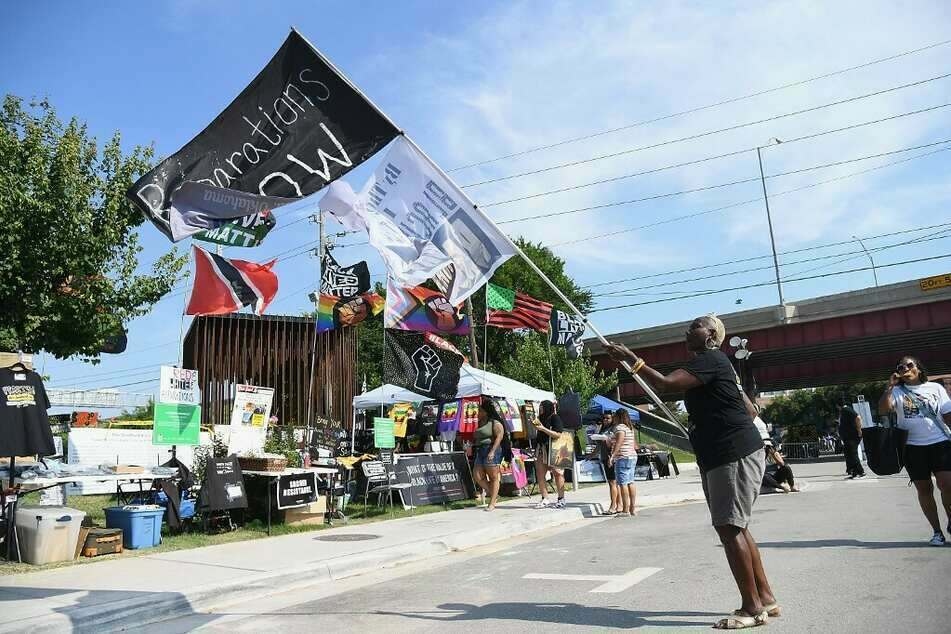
423,363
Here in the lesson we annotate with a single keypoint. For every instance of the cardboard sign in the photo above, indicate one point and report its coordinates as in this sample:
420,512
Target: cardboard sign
297,489
178,385
249,418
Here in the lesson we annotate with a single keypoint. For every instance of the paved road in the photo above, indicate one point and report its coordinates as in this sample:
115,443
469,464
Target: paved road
843,556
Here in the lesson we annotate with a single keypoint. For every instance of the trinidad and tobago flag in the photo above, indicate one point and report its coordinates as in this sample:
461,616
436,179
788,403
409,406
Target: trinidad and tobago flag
226,286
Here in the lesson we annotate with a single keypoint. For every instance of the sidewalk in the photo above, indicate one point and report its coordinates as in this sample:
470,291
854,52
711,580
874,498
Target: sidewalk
124,593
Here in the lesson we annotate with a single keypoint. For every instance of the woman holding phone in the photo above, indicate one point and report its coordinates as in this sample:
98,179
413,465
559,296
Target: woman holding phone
549,426
924,410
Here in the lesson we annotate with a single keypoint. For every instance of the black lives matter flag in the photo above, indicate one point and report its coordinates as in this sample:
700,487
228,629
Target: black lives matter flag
296,127
423,363
567,330
343,281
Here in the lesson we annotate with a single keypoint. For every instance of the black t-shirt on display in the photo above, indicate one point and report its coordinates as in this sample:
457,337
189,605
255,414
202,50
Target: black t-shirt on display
721,430
847,430
24,425
555,424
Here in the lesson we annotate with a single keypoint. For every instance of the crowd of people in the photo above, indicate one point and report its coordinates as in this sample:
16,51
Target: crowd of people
736,455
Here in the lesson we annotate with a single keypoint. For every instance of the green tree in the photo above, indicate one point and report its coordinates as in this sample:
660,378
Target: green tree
818,407
139,412
69,275
529,363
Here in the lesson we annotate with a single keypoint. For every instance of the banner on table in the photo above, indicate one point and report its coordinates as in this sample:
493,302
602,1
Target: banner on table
202,210
224,286
435,478
335,312
176,424
422,363
343,281
422,310
420,222
296,127
297,489
567,331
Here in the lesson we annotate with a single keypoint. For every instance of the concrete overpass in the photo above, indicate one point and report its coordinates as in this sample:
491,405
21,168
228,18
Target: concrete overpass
835,339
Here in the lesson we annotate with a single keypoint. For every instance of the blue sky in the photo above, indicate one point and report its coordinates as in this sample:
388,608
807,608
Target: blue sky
474,81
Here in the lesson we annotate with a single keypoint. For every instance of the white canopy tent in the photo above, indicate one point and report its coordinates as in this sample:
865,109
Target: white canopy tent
472,382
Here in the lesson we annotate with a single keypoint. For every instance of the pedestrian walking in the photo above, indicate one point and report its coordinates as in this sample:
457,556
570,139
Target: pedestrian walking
850,430
488,454
604,448
924,409
729,454
549,425
624,459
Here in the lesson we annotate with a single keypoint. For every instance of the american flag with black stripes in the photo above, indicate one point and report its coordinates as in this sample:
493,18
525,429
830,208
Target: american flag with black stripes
527,312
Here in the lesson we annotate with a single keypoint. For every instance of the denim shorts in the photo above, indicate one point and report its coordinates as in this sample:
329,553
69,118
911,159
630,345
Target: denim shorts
624,470
482,457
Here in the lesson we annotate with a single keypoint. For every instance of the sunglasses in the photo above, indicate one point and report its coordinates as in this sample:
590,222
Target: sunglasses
901,367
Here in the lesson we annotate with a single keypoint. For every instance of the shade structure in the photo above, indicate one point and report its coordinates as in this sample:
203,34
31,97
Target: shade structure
601,404
472,382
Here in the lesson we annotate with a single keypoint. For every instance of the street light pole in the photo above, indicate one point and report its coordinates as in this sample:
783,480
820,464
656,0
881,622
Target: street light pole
874,274
769,220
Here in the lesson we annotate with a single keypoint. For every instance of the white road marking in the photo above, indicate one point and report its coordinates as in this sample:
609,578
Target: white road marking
612,583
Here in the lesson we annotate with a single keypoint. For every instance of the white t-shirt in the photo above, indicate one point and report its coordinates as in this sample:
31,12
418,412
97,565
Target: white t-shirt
763,431
921,423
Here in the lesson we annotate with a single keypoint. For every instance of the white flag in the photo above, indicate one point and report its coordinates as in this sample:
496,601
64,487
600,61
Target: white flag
420,222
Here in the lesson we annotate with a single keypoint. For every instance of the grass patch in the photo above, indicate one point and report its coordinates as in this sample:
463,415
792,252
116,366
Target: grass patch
357,513
681,456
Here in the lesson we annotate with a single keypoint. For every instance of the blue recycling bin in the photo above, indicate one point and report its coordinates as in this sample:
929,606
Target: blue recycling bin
141,528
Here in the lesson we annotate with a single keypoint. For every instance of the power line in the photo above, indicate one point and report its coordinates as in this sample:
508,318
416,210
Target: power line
794,84
630,292
701,135
111,372
759,257
615,179
711,187
749,201
701,293
108,387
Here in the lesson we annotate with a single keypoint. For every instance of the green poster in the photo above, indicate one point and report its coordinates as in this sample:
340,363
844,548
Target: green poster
383,436
176,424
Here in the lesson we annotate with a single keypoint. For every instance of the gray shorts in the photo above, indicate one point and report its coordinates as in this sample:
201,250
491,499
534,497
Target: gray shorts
731,489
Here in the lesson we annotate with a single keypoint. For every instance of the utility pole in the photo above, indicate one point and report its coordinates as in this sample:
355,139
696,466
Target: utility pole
472,340
874,274
769,221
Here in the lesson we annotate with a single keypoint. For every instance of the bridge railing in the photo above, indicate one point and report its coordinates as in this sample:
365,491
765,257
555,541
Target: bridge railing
801,450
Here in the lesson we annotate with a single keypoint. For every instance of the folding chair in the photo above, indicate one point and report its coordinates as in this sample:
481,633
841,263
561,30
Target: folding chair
378,473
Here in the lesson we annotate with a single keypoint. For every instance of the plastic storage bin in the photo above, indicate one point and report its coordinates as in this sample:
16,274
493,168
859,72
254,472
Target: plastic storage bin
48,533
141,527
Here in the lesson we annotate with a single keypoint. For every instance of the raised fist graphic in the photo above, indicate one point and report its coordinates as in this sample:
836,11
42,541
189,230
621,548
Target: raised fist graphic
442,314
427,364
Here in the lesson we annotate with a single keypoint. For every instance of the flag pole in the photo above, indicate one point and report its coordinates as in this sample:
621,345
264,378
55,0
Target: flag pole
640,381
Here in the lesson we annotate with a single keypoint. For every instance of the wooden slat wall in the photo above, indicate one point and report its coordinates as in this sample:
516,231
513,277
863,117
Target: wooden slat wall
273,351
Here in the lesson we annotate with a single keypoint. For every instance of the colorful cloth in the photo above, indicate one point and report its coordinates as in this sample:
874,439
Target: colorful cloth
422,310
470,415
334,312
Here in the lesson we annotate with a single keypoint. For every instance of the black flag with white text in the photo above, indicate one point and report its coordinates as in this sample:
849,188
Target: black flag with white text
296,127
343,281
422,363
566,330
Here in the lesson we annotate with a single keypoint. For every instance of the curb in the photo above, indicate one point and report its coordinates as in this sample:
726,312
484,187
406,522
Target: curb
139,611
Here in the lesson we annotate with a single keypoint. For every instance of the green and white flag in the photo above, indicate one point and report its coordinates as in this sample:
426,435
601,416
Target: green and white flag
499,297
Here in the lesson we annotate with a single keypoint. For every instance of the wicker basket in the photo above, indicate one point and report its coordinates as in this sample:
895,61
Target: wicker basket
262,464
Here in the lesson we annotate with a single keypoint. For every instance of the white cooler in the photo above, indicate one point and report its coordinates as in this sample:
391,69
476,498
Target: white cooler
48,533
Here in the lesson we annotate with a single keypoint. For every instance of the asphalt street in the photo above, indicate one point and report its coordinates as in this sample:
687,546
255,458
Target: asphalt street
843,556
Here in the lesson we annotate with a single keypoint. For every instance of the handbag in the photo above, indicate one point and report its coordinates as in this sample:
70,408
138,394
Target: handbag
885,449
